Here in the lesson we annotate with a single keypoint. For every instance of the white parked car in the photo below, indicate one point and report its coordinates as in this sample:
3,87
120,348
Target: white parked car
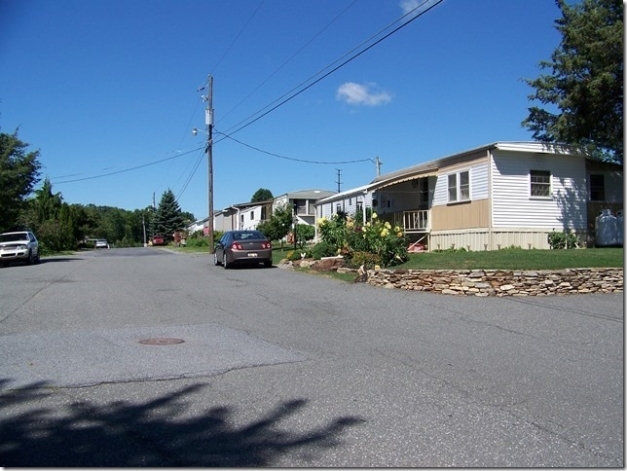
101,244
19,246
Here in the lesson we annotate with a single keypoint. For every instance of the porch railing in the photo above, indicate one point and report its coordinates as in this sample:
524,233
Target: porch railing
413,221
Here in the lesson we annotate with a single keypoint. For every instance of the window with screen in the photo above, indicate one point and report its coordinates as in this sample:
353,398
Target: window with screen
459,187
540,183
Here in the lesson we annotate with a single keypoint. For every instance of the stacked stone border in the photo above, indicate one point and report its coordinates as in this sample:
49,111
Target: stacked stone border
502,282
483,282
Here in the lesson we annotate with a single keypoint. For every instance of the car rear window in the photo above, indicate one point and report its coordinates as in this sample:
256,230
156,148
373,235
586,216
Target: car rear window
248,235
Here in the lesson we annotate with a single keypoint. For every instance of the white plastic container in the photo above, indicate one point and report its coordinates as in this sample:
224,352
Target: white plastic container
606,232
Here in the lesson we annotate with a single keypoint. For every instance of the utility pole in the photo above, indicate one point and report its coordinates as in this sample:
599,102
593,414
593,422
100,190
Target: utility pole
378,163
339,182
209,149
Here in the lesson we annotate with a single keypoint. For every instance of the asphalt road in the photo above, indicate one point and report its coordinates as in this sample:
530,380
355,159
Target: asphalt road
143,357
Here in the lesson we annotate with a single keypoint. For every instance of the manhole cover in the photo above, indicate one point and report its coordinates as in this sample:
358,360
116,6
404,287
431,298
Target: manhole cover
161,341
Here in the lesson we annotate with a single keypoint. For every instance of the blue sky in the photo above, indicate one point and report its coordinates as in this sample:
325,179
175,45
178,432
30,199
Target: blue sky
107,90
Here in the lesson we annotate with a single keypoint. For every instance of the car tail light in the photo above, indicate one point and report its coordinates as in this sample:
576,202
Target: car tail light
266,245
236,246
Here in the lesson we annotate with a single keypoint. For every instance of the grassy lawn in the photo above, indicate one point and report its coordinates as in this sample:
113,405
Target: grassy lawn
508,259
520,259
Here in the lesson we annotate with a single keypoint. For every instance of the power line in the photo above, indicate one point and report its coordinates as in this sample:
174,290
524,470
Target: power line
290,59
237,37
191,175
291,158
350,59
128,169
294,95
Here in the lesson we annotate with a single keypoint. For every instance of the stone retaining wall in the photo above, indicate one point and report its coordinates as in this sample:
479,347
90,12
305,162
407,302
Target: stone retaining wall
502,282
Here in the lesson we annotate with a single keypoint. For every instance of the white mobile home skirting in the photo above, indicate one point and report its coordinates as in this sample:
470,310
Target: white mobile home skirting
495,239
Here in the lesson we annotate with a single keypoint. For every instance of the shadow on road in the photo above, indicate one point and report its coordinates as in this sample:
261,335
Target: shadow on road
60,259
147,434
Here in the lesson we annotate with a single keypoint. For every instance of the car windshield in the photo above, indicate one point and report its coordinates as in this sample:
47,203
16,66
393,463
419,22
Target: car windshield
13,237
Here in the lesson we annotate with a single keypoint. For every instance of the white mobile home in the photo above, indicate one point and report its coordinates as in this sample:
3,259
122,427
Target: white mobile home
499,195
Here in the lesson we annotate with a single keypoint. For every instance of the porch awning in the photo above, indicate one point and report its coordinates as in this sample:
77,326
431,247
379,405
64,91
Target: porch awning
406,178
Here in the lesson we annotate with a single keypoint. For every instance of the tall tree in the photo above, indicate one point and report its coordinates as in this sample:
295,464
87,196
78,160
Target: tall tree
585,86
168,217
261,194
19,173
48,204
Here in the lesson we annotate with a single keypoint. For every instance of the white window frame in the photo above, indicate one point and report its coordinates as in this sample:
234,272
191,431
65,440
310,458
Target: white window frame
540,184
456,189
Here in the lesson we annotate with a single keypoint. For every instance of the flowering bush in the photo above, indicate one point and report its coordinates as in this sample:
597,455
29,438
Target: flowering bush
385,243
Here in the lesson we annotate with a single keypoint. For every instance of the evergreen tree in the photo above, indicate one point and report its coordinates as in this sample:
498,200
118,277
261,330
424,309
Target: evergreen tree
169,217
586,81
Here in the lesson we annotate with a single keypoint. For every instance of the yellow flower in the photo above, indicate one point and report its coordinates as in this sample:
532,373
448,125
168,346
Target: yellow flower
374,216
387,225
399,234
397,229
367,224
322,221
363,229
384,232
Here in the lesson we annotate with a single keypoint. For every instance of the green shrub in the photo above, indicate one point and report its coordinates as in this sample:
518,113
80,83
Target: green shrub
322,249
293,255
376,237
562,240
304,232
198,242
367,259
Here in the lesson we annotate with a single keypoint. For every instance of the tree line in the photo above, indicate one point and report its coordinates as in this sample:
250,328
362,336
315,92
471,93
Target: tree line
61,226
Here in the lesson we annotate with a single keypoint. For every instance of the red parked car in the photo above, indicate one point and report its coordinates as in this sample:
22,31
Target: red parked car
158,239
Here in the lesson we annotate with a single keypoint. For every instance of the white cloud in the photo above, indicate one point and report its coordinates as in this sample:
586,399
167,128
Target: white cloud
358,94
409,5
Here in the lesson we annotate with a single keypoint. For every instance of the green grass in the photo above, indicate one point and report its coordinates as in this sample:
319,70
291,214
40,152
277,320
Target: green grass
517,259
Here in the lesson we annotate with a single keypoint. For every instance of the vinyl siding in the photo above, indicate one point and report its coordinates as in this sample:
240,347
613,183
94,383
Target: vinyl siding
470,215
478,175
348,205
512,205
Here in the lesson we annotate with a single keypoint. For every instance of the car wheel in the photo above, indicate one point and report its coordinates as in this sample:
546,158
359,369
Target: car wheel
29,260
215,259
224,262
37,259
